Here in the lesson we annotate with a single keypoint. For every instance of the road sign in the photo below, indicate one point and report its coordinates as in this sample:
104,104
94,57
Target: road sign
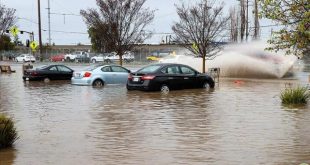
14,31
195,48
33,45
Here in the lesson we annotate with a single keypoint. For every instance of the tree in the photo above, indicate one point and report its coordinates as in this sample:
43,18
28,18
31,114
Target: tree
5,43
120,23
294,15
7,20
101,44
200,25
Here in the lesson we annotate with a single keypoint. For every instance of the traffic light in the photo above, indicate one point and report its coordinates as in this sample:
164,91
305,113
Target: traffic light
27,43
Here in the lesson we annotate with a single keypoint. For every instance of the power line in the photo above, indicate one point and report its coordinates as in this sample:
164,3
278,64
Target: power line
64,14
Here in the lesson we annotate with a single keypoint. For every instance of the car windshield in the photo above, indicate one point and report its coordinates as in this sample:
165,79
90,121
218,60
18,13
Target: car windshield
149,69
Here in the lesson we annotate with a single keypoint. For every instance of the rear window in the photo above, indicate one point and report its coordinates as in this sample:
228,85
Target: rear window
42,67
149,69
91,68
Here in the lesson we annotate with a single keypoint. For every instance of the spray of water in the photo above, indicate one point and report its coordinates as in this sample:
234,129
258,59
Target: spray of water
249,60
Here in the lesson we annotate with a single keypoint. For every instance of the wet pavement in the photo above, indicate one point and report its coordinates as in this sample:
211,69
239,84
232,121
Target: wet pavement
241,121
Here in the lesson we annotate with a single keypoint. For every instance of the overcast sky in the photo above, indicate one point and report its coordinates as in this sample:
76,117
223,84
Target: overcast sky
27,12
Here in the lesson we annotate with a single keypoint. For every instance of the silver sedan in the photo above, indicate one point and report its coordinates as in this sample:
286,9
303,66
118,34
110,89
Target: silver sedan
101,75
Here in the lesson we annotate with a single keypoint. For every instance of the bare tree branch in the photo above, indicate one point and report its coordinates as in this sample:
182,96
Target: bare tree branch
201,25
124,23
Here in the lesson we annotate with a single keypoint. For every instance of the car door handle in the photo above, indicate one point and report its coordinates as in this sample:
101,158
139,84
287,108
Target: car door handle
186,78
170,78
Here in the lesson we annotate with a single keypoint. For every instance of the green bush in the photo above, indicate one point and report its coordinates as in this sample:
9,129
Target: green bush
298,95
8,134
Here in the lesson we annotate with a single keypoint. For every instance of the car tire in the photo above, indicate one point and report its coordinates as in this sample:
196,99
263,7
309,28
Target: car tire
164,89
46,80
93,61
208,84
68,59
98,83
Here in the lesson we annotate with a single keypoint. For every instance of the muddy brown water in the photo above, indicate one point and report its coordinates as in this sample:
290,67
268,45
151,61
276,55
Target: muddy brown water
241,121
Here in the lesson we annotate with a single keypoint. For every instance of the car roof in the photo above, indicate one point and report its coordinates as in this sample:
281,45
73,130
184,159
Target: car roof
167,64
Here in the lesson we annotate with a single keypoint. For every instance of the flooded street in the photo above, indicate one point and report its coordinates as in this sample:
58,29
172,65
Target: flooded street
239,122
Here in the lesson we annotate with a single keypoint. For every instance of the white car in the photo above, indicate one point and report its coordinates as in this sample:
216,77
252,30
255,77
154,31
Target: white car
97,58
113,57
72,57
25,58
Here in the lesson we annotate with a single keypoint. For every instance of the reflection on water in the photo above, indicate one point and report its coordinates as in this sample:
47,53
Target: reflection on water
240,122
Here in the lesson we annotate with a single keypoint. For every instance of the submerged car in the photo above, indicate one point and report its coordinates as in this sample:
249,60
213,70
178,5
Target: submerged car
101,75
166,77
49,72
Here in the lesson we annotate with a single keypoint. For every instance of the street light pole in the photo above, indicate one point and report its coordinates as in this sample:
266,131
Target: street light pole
40,37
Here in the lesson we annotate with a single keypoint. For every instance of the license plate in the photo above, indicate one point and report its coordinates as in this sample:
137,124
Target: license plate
136,79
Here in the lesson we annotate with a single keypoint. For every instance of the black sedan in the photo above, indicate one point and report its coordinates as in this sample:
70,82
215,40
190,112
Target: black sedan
49,72
165,77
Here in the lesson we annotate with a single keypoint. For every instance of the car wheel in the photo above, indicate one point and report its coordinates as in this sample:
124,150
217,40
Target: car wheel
93,61
46,80
68,59
98,83
208,84
164,89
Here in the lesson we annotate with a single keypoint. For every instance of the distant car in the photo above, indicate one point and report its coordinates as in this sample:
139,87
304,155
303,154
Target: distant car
25,58
166,77
72,56
59,57
98,58
49,72
100,75
114,57
82,58
156,56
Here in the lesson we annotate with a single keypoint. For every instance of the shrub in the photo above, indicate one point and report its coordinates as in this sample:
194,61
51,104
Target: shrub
298,95
8,134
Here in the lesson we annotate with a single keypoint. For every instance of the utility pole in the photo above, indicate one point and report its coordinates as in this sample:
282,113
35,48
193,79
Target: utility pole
247,21
49,24
40,37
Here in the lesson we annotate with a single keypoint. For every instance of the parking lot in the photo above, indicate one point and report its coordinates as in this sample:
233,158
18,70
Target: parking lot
238,122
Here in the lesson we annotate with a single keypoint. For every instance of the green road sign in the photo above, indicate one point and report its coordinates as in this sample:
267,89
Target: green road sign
14,31
195,48
33,45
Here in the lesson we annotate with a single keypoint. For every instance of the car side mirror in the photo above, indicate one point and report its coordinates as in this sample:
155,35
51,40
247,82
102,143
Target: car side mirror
129,71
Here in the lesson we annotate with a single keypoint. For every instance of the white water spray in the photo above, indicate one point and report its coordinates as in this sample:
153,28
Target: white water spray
248,60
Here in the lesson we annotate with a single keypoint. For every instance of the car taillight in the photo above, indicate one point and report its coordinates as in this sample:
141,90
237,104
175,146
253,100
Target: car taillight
34,73
87,74
147,77
130,77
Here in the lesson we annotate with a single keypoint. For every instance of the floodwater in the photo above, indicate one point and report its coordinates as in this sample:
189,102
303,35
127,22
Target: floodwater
241,121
